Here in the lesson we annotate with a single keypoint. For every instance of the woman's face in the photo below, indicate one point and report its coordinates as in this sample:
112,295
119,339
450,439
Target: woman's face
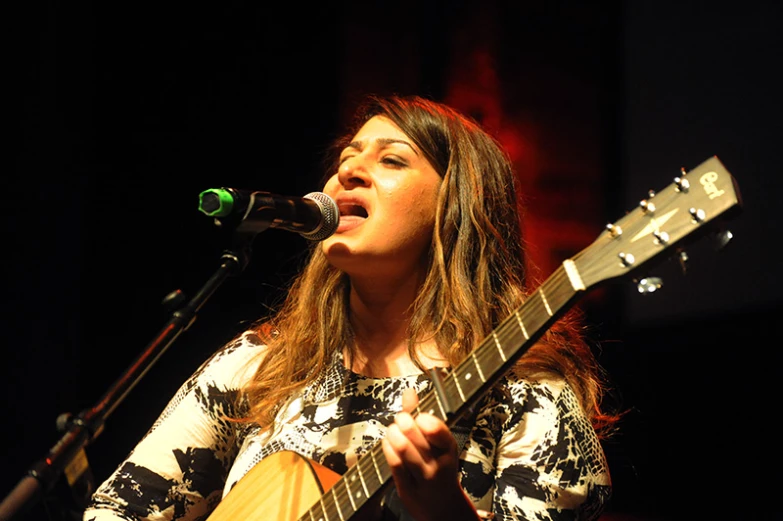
386,191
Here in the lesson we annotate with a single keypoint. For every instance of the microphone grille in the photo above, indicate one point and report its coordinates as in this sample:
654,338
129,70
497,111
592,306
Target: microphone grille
330,217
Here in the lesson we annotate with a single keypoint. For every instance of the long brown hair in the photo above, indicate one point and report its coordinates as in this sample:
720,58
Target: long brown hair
475,277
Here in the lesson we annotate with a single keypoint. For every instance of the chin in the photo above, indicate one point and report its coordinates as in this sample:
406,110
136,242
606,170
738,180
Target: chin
336,249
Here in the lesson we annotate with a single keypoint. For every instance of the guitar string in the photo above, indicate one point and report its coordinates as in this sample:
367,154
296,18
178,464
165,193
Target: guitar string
509,329
340,491
344,498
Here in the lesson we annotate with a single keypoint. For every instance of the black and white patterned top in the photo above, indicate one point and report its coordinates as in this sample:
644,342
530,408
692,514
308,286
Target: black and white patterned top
527,452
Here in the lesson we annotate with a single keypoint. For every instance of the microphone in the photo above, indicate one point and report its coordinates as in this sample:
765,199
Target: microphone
314,216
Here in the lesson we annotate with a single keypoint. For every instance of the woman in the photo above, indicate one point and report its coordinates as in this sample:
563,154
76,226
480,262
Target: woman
426,262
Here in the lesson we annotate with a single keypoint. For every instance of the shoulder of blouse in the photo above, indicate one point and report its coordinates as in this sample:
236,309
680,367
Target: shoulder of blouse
235,362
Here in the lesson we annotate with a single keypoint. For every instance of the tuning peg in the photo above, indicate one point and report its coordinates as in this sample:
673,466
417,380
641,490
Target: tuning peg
722,238
649,285
647,206
682,184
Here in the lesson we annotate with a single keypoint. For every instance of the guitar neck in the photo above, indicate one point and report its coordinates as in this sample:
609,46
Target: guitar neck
492,359
460,389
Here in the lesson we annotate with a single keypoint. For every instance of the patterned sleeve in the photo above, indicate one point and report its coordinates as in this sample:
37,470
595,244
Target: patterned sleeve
178,469
533,455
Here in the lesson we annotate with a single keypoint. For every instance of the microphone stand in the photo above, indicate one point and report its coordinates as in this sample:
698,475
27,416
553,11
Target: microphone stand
67,455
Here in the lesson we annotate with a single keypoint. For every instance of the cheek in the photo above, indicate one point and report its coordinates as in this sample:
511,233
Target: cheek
426,200
418,210
423,207
411,204
408,204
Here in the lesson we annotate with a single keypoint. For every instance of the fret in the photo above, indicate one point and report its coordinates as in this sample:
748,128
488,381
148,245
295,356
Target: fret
323,510
443,413
546,304
428,400
535,312
337,503
521,325
459,389
440,393
467,384
361,478
375,464
348,489
372,478
500,348
478,366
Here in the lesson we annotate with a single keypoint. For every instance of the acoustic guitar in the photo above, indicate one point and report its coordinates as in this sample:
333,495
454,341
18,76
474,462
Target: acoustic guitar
288,487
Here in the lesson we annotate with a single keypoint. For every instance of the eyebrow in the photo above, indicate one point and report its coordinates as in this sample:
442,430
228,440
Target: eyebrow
383,141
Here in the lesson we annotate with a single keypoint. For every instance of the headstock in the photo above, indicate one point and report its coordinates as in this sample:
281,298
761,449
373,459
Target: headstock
693,205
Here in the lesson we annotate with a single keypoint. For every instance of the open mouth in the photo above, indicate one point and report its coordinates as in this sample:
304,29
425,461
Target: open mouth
354,210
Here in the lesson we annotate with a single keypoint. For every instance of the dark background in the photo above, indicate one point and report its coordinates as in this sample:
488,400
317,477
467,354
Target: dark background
122,115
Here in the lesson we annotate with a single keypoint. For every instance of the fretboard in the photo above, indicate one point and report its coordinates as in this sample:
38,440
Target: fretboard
460,389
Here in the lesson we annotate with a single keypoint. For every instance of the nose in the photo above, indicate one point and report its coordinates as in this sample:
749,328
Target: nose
352,173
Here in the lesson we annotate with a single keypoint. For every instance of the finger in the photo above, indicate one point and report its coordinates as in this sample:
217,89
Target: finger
418,447
392,458
403,479
436,433
410,400
403,458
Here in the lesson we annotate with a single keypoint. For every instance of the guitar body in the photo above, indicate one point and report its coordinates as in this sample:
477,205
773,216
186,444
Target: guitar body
281,487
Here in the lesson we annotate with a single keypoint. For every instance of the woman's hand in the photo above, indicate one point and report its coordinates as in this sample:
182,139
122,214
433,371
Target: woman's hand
423,458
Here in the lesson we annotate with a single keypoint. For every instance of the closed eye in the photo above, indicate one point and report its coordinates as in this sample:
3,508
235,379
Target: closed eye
394,161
